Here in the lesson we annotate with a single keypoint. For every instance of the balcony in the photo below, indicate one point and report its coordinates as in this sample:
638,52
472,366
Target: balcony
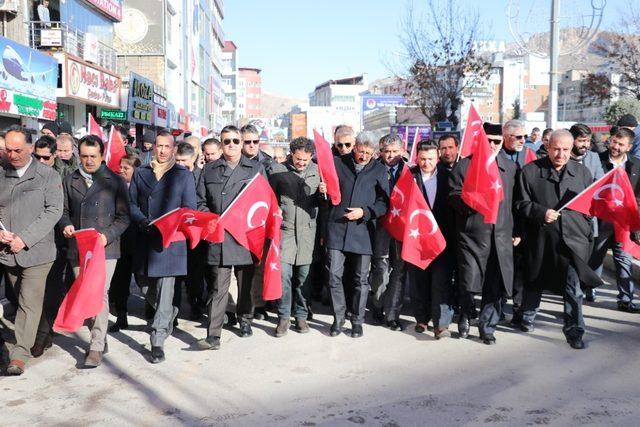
58,36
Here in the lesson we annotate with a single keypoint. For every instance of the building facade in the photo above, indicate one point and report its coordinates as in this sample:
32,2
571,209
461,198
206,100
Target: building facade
250,95
230,78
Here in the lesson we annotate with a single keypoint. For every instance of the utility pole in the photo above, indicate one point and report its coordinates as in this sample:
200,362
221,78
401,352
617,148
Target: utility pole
552,112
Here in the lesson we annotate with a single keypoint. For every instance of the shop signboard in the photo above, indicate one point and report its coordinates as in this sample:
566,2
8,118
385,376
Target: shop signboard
298,125
160,116
140,105
25,105
116,115
91,84
376,102
111,8
27,71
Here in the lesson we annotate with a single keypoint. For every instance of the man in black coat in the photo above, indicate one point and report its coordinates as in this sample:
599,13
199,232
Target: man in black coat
351,226
387,266
558,243
220,183
95,197
618,156
484,251
431,289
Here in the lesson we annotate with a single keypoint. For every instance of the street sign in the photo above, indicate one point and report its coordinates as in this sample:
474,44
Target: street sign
113,115
444,125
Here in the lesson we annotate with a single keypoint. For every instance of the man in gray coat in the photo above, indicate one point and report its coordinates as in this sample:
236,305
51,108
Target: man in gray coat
30,206
297,186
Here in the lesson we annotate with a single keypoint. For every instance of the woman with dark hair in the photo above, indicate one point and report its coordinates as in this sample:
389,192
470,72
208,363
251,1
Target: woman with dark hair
119,290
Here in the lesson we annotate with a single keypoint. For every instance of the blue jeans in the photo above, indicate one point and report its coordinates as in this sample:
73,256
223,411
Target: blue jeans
295,279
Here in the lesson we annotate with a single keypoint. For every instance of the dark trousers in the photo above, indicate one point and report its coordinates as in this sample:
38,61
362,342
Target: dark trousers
572,295
518,278
120,284
622,261
492,295
431,291
194,280
387,280
58,282
218,281
296,290
359,282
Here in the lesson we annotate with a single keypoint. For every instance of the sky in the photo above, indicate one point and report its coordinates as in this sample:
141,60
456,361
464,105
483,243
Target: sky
300,44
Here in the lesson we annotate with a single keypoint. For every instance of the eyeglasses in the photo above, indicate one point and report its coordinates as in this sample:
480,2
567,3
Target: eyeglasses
495,141
345,145
252,141
519,136
39,157
236,141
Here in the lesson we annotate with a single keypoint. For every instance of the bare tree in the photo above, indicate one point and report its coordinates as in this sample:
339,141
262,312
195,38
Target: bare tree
441,59
622,52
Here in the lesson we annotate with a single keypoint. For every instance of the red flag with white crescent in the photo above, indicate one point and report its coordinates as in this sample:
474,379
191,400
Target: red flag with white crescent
471,133
85,298
393,221
327,167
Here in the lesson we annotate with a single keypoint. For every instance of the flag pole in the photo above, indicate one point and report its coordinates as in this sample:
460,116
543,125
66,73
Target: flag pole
588,188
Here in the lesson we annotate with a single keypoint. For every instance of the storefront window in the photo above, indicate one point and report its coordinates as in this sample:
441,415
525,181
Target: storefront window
80,16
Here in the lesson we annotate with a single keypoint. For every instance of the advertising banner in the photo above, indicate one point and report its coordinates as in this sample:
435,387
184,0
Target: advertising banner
91,84
111,8
140,105
141,31
376,102
27,71
298,125
425,132
24,105
160,116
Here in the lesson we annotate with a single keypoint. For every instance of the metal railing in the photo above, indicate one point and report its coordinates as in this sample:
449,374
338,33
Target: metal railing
57,35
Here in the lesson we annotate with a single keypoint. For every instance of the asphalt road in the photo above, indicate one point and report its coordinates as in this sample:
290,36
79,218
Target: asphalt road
385,378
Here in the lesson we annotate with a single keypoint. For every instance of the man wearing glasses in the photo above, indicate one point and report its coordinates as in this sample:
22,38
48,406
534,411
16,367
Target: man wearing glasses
344,140
220,183
364,185
513,138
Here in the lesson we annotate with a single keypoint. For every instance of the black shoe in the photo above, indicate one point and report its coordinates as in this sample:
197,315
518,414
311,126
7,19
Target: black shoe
463,327
527,326
157,354
628,307
516,320
576,342
590,295
231,319
260,314
356,331
377,316
209,343
41,345
419,328
488,339
121,323
245,329
395,325
336,328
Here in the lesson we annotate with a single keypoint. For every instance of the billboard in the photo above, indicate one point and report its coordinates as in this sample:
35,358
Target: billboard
141,31
376,102
91,84
27,71
140,105
111,8
298,125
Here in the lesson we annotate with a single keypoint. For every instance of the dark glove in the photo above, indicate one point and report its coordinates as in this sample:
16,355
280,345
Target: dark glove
635,237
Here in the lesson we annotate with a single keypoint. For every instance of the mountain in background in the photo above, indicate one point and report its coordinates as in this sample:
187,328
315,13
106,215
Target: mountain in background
274,105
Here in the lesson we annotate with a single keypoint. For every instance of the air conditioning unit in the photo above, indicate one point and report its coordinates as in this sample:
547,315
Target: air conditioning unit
9,6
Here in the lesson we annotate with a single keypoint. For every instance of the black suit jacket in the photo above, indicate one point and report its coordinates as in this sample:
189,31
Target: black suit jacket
104,206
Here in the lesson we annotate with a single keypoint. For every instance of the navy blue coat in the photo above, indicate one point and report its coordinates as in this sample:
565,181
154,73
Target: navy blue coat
368,190
150,199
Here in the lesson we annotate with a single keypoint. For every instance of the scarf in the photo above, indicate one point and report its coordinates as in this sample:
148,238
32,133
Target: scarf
159,169
90,177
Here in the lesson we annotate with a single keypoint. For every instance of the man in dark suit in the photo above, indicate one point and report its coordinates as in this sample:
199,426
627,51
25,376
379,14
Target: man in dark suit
387,266
484,251
220,183
618,156
95,197
558,243
156,189
431,289
364,185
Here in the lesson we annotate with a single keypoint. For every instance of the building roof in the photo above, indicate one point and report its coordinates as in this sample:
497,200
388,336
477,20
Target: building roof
256,70
356,80
229,46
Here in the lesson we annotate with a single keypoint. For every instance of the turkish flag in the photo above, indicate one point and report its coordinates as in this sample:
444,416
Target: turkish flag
168,224
195,225
114,150
482,188
611,198
393,221
471,133
272,276
414,148
94,127
422,241
327,167
249,216
529,156
85,298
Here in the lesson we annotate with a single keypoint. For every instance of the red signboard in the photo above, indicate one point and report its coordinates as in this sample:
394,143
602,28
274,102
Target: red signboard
111,8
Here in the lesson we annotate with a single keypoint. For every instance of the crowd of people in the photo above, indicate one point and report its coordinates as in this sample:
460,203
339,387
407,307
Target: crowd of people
340,253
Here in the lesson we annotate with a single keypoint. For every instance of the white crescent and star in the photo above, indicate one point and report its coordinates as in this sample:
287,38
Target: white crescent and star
189,219
252,210
429,215
399,192
613,187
